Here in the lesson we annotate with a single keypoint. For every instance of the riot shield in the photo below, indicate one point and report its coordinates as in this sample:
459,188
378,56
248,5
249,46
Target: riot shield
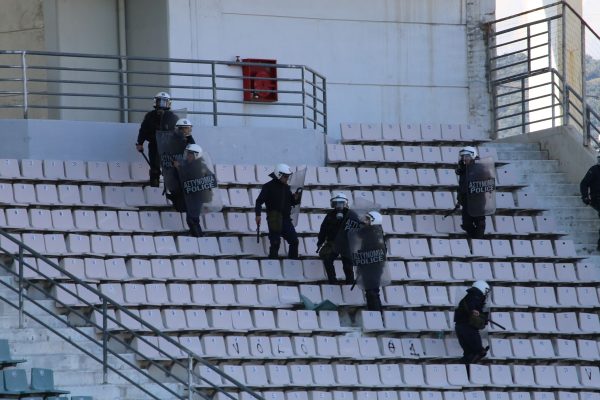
367,246
197,184
296,183
481,187
352,220
170,147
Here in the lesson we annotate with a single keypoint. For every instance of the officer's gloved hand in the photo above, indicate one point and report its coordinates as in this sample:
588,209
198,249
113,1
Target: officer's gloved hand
586,200
139,147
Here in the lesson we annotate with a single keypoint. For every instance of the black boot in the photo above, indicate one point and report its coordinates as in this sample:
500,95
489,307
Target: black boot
154,178
349,274
194,225
373,300
293,251
330,271
274,249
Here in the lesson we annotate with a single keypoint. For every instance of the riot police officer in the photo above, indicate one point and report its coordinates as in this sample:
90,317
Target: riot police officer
590,189
474,226
469,319
331,242
161,118
279,200
369,257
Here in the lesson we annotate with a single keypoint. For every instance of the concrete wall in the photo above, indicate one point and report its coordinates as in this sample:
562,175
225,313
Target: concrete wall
80,140
83,26
563,144
385,60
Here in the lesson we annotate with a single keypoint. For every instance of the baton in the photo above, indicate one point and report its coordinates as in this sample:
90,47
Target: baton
456,207
145,158
258,233
497,324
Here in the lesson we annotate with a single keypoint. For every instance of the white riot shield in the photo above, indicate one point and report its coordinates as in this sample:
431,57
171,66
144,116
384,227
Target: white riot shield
296,183
350,222
367,246
198,182
170,147
481,187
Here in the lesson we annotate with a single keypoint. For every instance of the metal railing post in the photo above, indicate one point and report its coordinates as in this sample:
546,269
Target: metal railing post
123,90
552,88
564,45
25,88
214,92
566,105
21,287
104,342
584,116
523,106
587,134
324,81
190,375
315,113
302,76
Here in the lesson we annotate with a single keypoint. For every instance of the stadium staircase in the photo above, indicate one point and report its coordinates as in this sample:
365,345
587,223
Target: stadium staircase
219,298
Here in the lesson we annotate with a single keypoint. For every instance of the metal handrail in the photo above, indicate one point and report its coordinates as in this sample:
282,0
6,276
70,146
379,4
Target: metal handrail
571,103
192,360
303,89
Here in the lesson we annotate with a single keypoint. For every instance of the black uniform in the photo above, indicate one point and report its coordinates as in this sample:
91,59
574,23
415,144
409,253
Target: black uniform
178,198
155,120
467,328
330,236
474,226
277,196
590,190
371,278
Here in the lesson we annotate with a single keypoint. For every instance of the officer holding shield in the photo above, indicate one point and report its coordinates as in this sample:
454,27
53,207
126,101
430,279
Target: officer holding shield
279,200
469,319
367,245
159,119
590,189
170,146
476,190
332,240
196,183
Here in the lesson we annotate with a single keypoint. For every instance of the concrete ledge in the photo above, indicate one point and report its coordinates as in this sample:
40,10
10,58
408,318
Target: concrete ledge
564,144
107,141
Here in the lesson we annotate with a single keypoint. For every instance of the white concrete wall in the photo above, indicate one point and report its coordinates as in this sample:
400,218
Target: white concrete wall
82,26
82,140
385,60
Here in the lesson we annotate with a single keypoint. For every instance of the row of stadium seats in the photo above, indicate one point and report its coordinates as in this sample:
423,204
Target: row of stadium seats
398,155
41,219
414,395
232,246
365,348
448,376
262,295
408,132
240,198
308,270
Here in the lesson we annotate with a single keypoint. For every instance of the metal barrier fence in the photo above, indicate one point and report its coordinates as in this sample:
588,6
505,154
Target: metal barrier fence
37,84
543,66
84,303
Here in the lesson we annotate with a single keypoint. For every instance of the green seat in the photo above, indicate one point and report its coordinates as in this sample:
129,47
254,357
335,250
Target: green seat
5,358
81,398
42,381
15,381
325,305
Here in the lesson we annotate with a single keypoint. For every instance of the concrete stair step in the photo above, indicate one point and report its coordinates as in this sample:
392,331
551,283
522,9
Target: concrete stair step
538,166
510,155
580,225
559,201
557,189
529,177
571,214
504,146
111,391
